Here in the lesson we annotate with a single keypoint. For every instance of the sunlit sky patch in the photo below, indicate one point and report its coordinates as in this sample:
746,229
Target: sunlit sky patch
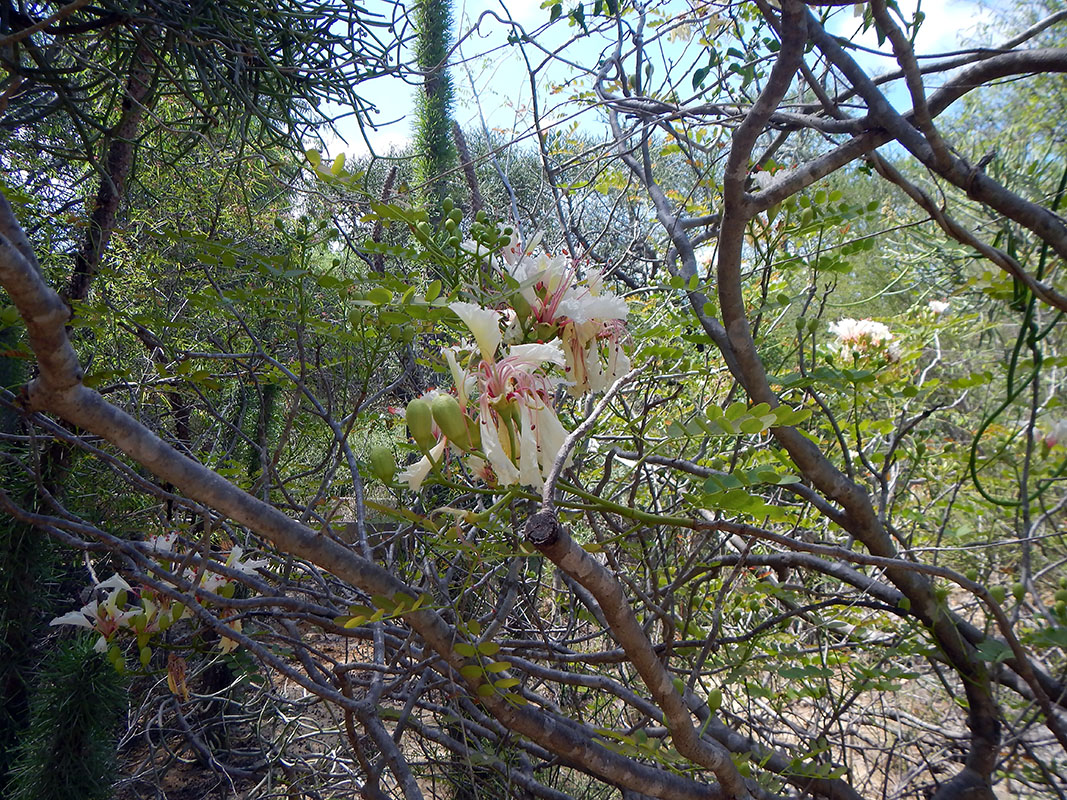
493,88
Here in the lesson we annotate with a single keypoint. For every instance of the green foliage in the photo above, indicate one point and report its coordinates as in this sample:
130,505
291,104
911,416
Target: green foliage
68,750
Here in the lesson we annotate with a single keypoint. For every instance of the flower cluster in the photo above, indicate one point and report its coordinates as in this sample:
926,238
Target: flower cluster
117,606
105,614
557,330
865,337
553,302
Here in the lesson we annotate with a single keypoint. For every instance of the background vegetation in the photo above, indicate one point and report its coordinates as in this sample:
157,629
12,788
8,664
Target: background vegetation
812,546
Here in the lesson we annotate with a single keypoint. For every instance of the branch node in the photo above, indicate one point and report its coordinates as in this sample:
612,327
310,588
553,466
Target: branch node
543,529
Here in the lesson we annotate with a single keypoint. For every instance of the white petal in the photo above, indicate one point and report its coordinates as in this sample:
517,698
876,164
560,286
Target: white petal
598,378
537,354
513,251
165,542
465,382
72,618
588,307
550,437
506,474
479,467
484,323
526,274
618,362
529,474
476,249
415,474
115,582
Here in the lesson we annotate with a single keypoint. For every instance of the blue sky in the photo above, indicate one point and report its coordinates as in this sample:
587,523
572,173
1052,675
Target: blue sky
499,76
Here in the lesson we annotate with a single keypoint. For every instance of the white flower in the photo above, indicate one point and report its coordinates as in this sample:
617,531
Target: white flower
512,252
937,307
213,581
495,453
105,617
85,617
865,338
415,474
861,335
479,467
248,567
484,323
465,382
762,179
163,543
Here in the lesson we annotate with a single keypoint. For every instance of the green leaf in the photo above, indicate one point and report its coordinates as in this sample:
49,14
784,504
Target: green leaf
465,650
735,410
578,15
471,671
488,648
384,602
1049,637
993,651
555,12
379,295
699,75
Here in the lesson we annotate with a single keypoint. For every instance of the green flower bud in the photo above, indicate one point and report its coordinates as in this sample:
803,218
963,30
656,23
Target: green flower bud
382,463
420,423
451,420
474,430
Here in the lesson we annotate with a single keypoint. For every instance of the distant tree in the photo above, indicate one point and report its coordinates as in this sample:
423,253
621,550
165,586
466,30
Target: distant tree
435,152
